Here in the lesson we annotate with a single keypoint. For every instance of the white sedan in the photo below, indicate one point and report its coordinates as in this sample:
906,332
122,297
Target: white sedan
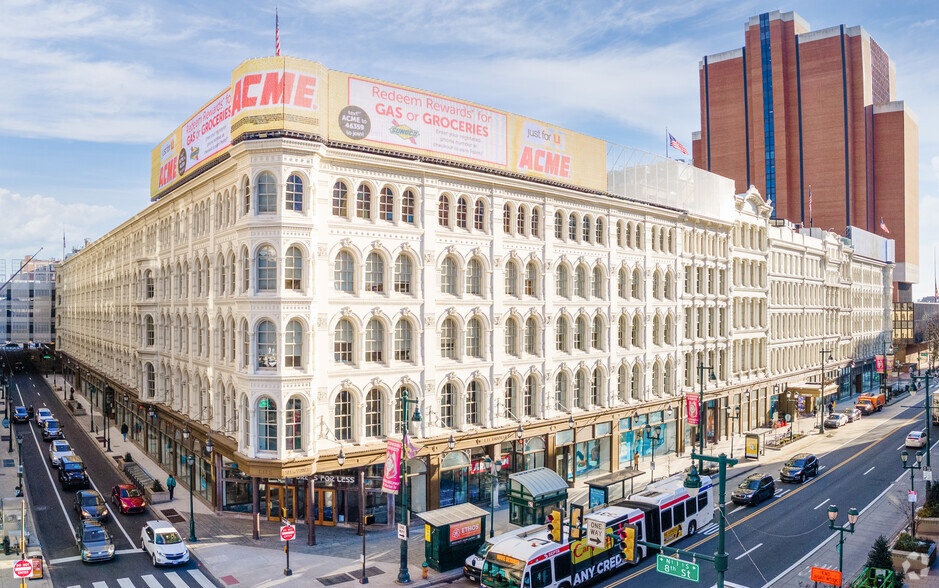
161,540
836,420
916,438
43,414
58,449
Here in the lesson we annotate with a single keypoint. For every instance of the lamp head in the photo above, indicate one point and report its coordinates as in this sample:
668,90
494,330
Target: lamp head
209,446
341,458
832,513
712,377
519,431
852,515
417,415
570,422
693,481
919,457
668,411
647,430
186,432
451,442
904,456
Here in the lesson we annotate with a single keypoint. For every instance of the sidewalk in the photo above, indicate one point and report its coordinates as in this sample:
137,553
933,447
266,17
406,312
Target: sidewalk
230,554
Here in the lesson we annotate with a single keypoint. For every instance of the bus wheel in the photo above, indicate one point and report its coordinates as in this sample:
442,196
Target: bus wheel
692,528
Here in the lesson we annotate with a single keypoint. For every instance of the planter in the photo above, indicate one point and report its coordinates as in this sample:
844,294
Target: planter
928,526
157,497
915,562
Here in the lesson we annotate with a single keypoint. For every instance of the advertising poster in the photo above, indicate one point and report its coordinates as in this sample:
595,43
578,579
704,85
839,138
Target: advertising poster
752,450
465,531
391,480
552,153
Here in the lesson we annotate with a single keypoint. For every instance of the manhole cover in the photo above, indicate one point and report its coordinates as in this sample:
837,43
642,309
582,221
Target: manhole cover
40,507
333,580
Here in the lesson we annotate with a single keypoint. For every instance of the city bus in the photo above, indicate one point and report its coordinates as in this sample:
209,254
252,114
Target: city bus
670,512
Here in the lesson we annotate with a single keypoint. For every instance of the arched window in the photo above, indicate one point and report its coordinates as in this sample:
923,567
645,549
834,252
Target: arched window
344,272
580,282
531,279
293,421
151,381
595,388
373,411
151,331
443,211
342,420
580,385
511,396
363,202
572,228
245,274
669,286
601,240
267,424
407,207
246,188
447,396
267,193
511,337
636,337
636,383
669,328
448,274
374,273
580,334
558,225
531,336
474,338
293,344
622,383
622,286
461,213
448,339
266,345
562,287
587,235
520,222
507,218
245,343
597,283
267,268
657,330
479,215
657,285
473,399
474,277
374,341
340,199
535,223
148,280
596,338
636,287
403,274
622,335
560,386
294,193
560,336
531,392
293,269
344,342
511,279
403,340
386,204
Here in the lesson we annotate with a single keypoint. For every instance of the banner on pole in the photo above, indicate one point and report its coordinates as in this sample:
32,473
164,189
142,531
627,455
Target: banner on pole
692,406
879,363
391,479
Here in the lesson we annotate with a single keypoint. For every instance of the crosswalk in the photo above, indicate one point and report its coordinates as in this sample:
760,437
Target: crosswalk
177,579
709,529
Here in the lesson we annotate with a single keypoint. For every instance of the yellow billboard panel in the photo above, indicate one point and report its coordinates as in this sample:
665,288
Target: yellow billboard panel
557,154
278,93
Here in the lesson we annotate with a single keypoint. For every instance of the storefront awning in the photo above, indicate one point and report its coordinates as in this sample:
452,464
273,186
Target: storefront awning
812,390
451,514
539,482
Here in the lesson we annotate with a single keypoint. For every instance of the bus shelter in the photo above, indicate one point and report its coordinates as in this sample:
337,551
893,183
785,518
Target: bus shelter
532,495
610,488
452,534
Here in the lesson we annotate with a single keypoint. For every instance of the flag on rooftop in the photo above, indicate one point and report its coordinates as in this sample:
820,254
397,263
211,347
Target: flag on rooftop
674,143
883,226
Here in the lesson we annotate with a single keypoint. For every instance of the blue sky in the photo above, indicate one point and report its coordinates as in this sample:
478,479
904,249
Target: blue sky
89,88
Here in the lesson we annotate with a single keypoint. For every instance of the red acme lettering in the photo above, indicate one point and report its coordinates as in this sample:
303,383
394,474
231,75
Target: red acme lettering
545,162
167,172
274,88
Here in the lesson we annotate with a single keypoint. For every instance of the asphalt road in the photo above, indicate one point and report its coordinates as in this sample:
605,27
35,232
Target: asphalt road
55,518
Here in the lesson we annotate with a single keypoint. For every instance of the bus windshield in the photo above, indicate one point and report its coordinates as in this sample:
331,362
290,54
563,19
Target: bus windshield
503,574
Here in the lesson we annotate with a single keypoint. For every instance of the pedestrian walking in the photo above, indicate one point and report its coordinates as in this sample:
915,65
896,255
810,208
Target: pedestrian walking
124,430
636,460
171,485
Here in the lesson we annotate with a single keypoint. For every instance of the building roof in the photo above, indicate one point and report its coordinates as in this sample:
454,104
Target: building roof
540,481
451,514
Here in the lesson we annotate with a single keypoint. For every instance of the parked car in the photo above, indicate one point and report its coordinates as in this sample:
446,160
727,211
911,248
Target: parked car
90,506
754,489
916,438
798,468
833,421
128,499
161,540
51,430
59,449
72,472
20,415
853,414
41,415
94,542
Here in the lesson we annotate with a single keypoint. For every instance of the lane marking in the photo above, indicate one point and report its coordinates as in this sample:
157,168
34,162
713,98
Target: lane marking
200,578
824,502
749,551
64,559
868,471
125,583
738,509
175,580
126,551
99,584
150,581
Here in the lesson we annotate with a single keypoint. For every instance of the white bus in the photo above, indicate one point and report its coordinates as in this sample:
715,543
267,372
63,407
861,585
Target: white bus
670,512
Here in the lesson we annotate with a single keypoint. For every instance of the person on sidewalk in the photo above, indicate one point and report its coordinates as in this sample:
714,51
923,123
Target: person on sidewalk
636,460
124,430
171,485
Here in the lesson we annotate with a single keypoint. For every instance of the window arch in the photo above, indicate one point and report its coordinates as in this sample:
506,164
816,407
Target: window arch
462,209
293,269
530,396
374,341
293,344
403,274
474,277
474,338
448,276
343,416
448,334
340,199
344,342
374,273
267,193
443,211
373,413
266,344
363,202
267,424
386,204
267,268
293,421
479,215
294,200
344,272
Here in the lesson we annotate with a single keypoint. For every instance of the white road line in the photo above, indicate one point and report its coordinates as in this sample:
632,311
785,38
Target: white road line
738,509
200,578
64,559
824,502
150,581
900,447
175,580
126,551
747,552
74,586
99,584
125,583
869,471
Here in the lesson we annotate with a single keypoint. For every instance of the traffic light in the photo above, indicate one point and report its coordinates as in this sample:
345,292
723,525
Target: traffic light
629,542
555,520
577,512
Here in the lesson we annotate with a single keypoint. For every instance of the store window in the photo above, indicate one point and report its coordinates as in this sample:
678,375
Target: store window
454,479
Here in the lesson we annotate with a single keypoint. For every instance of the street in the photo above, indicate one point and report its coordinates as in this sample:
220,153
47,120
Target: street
56,519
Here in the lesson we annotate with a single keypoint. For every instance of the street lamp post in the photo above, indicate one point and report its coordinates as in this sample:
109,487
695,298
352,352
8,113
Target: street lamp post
905,456
733,413
653,434
404,577
91,403
852,519
928,402
492,470
19,473
821,393
191,460
703,409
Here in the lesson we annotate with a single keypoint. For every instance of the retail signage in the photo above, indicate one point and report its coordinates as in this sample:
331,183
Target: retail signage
391,479
318,479
692,408
465,531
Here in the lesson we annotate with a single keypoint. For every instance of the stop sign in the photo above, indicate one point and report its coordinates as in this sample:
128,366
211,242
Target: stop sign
287,532
22,568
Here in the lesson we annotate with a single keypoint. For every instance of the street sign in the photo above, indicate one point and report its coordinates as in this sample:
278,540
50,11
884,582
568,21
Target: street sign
927,475
402,531
912,495
826,576
288,532
596,533
675,567
22,568
6,423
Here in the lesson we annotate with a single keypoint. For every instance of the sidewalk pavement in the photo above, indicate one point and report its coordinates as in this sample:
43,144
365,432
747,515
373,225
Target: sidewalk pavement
229,553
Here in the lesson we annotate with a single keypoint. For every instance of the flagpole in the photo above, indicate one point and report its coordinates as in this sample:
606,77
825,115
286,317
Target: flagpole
666,142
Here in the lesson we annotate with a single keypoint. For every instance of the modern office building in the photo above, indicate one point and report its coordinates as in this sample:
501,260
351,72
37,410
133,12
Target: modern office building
27,303
545,297
812,119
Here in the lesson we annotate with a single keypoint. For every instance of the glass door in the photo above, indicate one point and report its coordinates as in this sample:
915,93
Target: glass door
324,511
281,502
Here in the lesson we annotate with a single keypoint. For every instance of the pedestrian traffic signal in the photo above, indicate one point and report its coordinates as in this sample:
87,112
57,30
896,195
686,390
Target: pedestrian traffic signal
577,512
629,542
555,520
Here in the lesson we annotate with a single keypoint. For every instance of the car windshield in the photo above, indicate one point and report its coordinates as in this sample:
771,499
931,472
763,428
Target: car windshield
59,446
915,435
44,412
94,535
750,484
91,500
71,466
796,463
168,538
21,409
484,549
132,493
50,424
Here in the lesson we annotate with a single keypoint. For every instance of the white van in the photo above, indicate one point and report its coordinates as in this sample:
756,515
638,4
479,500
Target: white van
474,563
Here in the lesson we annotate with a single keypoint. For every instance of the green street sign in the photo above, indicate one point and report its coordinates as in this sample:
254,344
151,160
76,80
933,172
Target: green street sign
675,567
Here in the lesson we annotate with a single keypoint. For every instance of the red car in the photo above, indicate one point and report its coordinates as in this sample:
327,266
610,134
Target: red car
127,498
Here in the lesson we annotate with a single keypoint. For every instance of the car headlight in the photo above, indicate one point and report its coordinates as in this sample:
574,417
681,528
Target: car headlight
110,550
86,553
85,513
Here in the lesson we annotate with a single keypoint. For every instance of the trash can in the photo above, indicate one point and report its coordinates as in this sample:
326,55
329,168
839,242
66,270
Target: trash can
452,534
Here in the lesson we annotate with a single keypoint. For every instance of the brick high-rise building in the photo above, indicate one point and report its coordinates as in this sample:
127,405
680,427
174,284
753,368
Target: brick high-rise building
811,119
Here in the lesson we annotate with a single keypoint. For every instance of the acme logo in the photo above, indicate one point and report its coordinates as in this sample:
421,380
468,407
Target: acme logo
404,131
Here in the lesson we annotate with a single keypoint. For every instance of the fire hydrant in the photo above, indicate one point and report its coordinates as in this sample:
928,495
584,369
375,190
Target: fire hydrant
424,568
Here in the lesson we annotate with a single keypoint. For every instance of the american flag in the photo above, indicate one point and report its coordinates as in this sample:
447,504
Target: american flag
277,33
674,143
883,226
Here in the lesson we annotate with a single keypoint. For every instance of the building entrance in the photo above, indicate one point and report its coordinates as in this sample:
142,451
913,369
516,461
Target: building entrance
324,510
281,502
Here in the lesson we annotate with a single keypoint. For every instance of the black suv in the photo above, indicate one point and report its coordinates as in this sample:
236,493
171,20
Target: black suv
72,472
754,489
800,467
